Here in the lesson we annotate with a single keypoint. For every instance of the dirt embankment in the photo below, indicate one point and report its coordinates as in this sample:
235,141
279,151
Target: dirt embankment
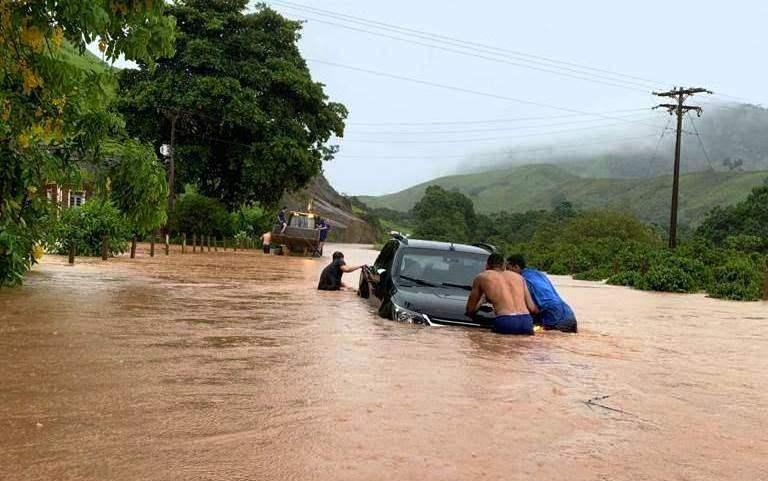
346,226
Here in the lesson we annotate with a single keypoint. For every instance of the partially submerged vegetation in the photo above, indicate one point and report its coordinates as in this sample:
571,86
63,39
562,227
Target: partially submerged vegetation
725,257
222,103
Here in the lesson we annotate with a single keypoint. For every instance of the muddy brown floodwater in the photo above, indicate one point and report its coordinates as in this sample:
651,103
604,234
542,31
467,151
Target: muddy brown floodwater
229,366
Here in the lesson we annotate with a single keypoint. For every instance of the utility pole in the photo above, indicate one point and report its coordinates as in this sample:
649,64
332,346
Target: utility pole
679,109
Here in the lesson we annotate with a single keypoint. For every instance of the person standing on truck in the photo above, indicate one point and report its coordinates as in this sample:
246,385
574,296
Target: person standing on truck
330,279
508,293
281,220
323,227
555,313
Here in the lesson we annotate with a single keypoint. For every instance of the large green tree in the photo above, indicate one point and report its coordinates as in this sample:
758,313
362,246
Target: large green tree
237,103
445,216
54,115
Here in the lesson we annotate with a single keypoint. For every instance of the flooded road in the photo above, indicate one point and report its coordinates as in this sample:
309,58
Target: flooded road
227,366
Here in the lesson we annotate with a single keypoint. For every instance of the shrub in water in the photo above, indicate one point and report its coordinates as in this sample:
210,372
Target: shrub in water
628,278
666,278
739,279
197,214
85,226
597,274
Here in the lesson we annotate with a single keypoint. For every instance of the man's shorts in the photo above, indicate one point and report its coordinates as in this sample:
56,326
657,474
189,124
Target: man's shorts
516,324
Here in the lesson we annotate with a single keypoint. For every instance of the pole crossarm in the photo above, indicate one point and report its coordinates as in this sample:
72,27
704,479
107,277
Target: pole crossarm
682,91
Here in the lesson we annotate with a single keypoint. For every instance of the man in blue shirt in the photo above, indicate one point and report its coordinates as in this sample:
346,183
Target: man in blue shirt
555,313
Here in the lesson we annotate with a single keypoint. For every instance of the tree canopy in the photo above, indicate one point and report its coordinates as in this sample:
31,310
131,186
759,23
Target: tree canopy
54,115
250,123
445,216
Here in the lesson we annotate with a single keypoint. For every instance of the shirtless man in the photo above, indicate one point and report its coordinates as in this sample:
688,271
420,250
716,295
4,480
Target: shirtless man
508,293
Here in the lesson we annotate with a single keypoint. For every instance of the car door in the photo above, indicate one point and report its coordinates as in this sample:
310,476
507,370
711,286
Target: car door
377,278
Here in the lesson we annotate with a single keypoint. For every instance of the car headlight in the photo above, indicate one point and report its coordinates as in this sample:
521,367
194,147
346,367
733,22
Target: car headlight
402,314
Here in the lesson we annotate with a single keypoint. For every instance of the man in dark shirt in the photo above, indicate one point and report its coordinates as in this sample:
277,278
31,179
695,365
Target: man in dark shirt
281,220
323,227
330,279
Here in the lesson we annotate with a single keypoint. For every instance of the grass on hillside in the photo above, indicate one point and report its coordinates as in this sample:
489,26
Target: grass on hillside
535,187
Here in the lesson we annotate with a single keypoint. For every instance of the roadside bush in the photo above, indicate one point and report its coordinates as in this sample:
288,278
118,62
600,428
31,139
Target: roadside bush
197,214
253,220
740,279
666,278
627,278
85,226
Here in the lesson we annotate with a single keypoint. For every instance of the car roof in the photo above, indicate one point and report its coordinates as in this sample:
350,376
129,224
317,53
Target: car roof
442,246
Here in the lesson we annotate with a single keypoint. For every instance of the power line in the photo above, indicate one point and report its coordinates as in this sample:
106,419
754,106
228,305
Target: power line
506,152
581,69
485,57
486,139
469,91
495,129
490,121
701,143
656,150
536,59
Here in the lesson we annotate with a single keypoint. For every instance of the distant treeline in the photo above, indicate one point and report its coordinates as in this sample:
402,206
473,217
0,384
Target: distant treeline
725,256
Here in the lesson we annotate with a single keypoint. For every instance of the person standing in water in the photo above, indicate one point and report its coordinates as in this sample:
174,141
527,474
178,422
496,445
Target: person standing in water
330,279
266,240
508,293
555,313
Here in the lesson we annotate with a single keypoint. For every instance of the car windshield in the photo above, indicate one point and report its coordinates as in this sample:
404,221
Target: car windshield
440,268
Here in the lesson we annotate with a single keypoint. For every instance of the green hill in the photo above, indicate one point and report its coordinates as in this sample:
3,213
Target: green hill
86,61
533,187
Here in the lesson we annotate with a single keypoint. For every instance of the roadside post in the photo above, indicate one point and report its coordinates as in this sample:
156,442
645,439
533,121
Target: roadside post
104,248
167,244
208,242
194,243
72,254
133,247
765,282
152,245
183,243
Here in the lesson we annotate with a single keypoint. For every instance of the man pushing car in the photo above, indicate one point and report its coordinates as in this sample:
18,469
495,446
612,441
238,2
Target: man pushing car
508,293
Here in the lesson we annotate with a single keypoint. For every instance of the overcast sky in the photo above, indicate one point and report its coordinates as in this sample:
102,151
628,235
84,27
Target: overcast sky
720,46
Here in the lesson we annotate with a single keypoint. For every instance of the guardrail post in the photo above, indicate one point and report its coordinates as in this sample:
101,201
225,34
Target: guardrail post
72,253
152,239
167,244
133,247
104,248
765,283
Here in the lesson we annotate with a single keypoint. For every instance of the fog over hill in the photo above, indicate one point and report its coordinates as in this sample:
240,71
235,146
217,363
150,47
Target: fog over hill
727,137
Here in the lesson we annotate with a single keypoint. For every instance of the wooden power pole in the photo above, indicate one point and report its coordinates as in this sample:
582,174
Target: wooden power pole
679,109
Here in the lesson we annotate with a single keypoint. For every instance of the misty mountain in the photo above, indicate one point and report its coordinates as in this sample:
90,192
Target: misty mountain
726,138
